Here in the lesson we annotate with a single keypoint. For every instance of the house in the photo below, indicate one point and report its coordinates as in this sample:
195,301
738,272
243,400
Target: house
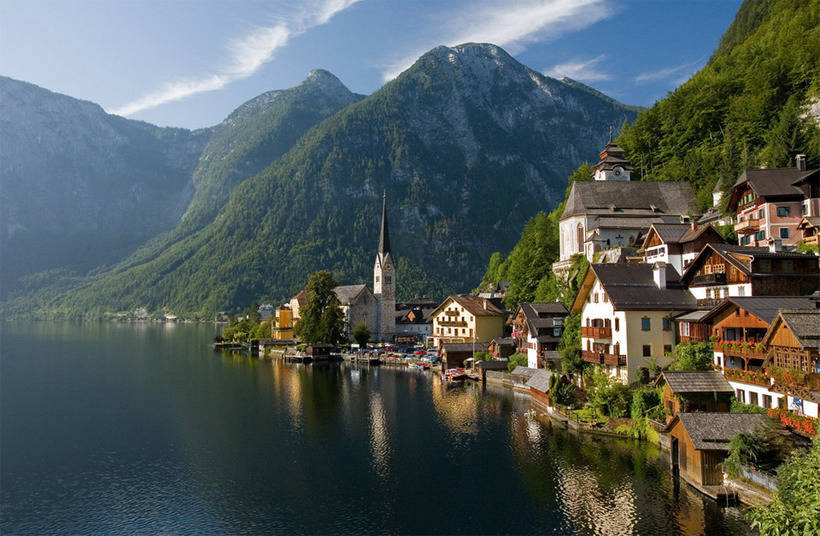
809,229
414,321
627,313
726,270
793,340
714,215
770,203
699,442
454,354
502,347
521,376
537,328
678,243
691,328
612,211
694,391
283,323
467,319
539,384
739,324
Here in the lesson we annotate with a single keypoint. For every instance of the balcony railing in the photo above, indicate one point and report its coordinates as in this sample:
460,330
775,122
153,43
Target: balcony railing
596,332
741,350
747,226
603,359
709,279
451,323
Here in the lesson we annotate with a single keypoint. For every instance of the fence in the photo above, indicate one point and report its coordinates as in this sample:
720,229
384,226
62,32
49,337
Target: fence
761,479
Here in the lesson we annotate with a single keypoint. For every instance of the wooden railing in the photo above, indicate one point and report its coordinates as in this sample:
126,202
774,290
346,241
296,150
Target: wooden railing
709,279
596,332
603,359
748,225
738,349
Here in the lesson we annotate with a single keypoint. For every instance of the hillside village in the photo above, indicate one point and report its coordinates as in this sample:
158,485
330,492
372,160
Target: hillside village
656,281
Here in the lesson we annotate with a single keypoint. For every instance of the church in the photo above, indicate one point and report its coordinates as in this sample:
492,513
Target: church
376,308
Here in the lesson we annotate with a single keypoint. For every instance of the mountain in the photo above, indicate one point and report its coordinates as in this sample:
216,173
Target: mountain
79,187
467,144
756,102
252,137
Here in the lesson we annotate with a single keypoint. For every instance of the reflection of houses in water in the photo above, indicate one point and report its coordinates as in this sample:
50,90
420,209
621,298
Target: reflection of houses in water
379,436
457,407
610,512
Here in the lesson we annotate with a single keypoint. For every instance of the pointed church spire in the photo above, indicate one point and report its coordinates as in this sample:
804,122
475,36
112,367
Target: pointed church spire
384,236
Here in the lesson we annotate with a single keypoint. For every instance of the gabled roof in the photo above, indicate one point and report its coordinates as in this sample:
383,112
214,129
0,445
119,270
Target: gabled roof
348,294
809,221
475,305
633,198
803,323
701,381
504,341
771,183
301,298
713,431
632,287
763,307
739,256
539,315
540,381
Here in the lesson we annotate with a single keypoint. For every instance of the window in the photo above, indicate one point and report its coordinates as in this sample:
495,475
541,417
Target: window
647,350
684,329
761,235
784,212
767,401
760,214
784,232
646,325
377,279
741,396
803,210
595,297
741,291
667,349
387,279
667,324
580,237
617,324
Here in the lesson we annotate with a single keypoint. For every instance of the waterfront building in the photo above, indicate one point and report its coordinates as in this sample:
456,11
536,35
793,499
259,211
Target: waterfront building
283,323
537,328
677,244
694,391
467,319
613,211
502,347
414,321
627,316
699,442
455,354
726,270
770,203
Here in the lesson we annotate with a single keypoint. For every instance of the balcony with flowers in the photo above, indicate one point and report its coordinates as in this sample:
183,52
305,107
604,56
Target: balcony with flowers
746,350
753,377
801,424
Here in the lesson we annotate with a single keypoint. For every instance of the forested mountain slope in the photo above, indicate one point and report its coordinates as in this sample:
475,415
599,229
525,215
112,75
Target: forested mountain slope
467,143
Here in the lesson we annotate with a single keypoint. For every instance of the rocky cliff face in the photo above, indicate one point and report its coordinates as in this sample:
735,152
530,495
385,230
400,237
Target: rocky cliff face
467,143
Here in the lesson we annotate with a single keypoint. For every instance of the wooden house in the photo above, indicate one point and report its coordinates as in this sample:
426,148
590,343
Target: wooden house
699,442
809,228
537,328
695,391
502,347
539,384
724,270
454,354
677,244
793,340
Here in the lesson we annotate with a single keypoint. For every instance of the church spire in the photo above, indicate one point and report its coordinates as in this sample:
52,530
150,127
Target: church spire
384,236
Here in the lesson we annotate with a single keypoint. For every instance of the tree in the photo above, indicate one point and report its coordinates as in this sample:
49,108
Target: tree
608,396
484,356
321,320
693,356
517,360
570,345
795,509
361,334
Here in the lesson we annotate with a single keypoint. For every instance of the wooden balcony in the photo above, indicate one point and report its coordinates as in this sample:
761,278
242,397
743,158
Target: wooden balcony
709,302
452,323
709,279
593,332
603,359
747,226
739,350
813,240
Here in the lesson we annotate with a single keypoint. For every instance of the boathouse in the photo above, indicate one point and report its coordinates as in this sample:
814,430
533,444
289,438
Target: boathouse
699,442
695,391
453,354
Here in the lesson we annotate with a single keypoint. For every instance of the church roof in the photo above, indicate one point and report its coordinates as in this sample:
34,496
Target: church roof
384,235
633,198
347,294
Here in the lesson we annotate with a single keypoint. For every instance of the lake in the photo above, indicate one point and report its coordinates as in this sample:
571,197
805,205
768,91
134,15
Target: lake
143,429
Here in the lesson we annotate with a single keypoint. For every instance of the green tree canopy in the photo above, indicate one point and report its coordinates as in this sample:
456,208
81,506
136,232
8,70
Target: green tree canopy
361,334
321,320
693,356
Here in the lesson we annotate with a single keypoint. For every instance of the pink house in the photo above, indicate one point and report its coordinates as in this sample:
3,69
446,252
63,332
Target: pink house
770,203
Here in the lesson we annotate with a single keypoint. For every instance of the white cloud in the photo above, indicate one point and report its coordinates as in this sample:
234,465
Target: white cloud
247,55
684,69
581,70
511,25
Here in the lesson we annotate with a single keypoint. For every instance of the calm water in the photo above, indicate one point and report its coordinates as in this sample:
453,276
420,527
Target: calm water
140,429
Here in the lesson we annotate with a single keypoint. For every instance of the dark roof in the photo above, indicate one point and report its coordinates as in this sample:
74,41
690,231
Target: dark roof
632,287
763,307
804,324
419,302
708,381
614,222
774,182
814,221
635,198
525,372
713,431
544,308
384,235
693,316
504,341
458,347
671,232
540,381
740,256
301,298
348,293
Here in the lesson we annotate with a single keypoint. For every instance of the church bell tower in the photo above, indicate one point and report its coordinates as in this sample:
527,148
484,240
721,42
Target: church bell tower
384,282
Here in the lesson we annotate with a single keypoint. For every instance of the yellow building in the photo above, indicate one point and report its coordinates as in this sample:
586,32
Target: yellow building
283,326
467,319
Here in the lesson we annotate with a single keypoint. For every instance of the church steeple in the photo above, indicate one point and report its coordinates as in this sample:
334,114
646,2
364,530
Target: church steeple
384,236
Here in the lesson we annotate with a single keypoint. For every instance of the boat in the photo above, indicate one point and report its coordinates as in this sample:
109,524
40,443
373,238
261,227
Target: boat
423,366
454,376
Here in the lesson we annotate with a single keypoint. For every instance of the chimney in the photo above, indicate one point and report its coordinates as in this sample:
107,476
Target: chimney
693,225
659,274
775,245
801,162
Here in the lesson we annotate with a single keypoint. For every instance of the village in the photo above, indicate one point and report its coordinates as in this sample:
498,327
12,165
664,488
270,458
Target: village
674,335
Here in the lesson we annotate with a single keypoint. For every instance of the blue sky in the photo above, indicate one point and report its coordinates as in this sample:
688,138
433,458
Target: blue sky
190,63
